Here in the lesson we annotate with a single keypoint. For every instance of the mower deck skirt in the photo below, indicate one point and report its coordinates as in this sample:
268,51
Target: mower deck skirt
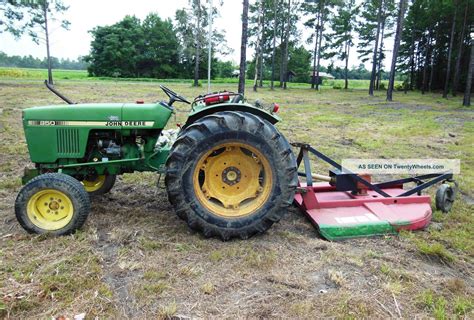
340,214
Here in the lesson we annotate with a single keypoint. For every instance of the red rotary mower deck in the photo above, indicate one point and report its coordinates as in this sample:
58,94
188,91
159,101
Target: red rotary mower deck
349,205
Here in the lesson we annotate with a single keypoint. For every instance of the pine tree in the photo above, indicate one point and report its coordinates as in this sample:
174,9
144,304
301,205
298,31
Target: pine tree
450,52
396,46
340,40
317,12
191,29
243,46
461,43
467,92
36,18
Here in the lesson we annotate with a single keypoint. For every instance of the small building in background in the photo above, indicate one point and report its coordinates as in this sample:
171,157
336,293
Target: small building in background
322,76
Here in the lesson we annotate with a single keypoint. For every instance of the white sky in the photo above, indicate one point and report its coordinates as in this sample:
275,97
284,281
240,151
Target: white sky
84,15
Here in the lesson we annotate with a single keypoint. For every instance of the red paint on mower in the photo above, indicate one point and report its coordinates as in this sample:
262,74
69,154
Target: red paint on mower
350,205
340,214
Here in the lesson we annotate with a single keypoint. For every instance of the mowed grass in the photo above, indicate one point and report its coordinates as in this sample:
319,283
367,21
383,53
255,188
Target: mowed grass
135,258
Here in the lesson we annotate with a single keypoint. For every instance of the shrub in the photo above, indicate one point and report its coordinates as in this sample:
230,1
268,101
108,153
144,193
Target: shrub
399,87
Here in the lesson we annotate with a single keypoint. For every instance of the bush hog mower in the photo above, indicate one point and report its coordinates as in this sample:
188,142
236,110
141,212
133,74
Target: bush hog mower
230,173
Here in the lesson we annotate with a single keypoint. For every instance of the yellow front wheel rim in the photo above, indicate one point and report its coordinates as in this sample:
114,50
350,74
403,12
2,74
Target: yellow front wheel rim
233,180
50,209
94,185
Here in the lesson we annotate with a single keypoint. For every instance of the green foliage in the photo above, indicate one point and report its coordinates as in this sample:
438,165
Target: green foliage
368,22
11,19
191,32
222,69
426,39
340,41
43,12
31,62
300,63
131,48
342,25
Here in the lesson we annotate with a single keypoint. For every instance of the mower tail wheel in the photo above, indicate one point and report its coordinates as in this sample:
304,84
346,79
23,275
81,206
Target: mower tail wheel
445,197
99,185
231,174
52,203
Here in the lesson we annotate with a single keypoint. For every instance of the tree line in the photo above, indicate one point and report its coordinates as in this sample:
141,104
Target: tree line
430,41
32,62
432,47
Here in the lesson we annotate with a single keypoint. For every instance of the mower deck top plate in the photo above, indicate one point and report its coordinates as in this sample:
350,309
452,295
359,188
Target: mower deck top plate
340,215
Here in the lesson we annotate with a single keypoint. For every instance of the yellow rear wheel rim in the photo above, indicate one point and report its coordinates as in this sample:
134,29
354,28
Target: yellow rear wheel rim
233,180
94,185
50,209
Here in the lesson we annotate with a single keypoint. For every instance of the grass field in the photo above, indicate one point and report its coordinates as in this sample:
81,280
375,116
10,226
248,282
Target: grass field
81,75
135,258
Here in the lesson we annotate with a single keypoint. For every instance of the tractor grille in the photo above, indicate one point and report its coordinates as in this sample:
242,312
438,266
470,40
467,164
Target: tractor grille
68,142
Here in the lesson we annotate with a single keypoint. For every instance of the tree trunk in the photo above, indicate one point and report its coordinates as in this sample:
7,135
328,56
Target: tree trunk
346,81
467,93
374,59
274,43
257,51
282,53
412,59
46,32
430,83
396,47
321,30
243,46
287,40
255,78
198,44
379,67
458,58
316,37
450,51
261,47
426,64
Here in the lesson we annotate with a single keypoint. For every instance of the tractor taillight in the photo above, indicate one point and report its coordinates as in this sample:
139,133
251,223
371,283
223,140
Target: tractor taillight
276,107
216,98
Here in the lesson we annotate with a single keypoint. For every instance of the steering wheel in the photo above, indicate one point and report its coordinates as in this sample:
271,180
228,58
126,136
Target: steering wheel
173,96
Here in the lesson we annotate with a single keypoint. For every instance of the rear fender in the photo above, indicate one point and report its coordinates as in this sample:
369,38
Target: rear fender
194,116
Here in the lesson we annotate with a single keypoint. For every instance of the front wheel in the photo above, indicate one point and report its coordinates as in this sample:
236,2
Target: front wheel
52,203
231,174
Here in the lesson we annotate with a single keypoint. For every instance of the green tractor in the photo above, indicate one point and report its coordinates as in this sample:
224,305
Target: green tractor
229,173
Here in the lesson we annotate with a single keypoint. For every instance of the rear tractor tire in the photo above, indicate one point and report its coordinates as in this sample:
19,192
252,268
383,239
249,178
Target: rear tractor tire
231,174
52,203
99,185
